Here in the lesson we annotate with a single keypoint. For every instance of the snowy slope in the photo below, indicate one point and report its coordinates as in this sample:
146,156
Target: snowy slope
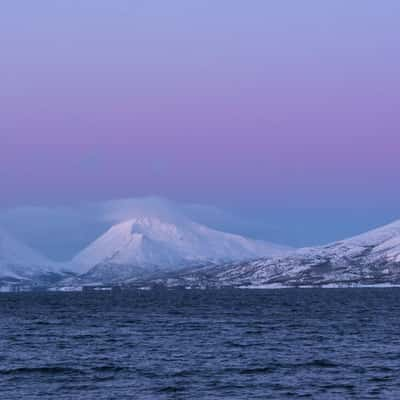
384,243
149,243
19,261
372,258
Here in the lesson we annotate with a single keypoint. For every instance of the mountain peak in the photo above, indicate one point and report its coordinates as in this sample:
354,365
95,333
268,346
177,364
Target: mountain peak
150,241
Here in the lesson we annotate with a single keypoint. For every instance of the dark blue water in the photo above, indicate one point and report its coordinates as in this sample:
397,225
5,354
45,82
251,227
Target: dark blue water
230,344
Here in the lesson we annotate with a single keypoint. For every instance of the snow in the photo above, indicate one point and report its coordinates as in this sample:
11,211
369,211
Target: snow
152,241
368,260
166,240
20,261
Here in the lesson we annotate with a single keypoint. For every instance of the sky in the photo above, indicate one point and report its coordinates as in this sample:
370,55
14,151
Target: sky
284,111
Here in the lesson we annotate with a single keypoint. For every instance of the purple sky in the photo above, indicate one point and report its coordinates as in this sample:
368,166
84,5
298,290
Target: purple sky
256,104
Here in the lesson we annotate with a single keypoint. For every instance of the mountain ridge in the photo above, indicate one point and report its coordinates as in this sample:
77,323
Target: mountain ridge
371,258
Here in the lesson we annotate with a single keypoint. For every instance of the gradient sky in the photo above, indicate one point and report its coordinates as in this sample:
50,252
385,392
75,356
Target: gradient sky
256,105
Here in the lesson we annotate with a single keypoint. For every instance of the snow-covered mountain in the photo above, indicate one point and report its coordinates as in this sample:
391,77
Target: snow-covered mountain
20,262
61,232
372,258
147,244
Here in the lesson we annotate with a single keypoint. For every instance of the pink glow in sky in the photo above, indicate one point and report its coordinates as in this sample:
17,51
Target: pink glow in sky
203,101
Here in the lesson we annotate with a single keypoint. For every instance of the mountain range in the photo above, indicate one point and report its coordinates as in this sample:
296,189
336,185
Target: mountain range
158,238
370,259
171,249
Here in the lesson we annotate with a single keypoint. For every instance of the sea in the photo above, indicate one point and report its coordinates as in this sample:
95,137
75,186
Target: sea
201,344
